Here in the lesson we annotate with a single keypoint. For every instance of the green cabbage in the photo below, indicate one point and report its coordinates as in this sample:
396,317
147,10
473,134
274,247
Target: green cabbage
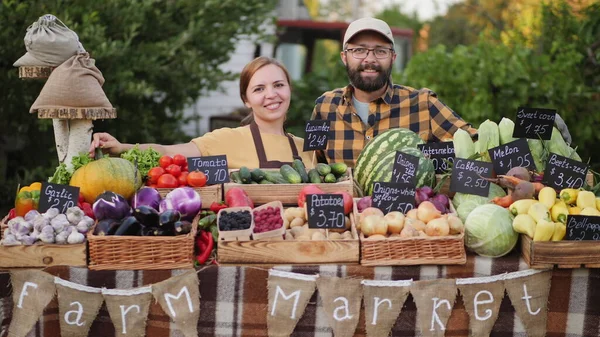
489,231
506,128
463,144
460,198
540,156
489,137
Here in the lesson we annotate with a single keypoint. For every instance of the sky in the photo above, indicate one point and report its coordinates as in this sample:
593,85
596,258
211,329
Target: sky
426,9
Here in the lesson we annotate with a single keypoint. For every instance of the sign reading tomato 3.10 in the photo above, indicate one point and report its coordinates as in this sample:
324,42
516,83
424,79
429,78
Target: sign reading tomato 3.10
214,167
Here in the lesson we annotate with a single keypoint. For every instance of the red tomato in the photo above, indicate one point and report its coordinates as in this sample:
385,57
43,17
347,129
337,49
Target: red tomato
184,168
165,161
155,173
173,169
167,181
196,179
179,160
183,179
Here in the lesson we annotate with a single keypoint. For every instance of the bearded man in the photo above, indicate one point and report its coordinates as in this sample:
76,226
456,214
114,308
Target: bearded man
372,104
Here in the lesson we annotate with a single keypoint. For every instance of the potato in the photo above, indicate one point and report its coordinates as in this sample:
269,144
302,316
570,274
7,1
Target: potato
288,215
318,236
296,222
297,212
347,235
335,236
286,224
297,231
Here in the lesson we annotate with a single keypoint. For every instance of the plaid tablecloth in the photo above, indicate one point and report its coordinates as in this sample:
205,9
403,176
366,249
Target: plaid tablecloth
234,299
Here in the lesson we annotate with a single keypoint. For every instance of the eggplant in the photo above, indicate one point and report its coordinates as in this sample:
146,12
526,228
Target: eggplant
129,226
168,218
163,232
146,215
147,231
182,227
106,227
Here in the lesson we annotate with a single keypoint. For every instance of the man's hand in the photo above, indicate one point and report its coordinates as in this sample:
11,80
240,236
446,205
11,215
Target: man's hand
562,127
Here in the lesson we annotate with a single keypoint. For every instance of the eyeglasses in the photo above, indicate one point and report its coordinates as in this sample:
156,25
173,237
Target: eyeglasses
362,53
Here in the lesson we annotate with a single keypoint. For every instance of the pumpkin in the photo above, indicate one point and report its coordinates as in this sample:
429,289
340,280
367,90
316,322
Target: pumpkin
107,174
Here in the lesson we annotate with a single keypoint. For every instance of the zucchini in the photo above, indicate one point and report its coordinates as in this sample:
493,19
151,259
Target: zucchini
275,177
235,177
298,165
245,175
257,175
323,169
290,174
330,178
314,177
338,169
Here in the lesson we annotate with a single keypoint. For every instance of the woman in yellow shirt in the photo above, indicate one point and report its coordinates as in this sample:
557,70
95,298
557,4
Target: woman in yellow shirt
265,88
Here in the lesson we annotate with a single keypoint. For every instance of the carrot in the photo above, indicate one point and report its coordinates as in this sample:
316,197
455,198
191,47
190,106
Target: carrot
504,201
511,182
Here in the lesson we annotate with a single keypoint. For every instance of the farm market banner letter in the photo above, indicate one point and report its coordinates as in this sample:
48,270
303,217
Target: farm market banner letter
78,307
383,302
341,300
128,310
179,297
32,291
482,298
434,300
528,291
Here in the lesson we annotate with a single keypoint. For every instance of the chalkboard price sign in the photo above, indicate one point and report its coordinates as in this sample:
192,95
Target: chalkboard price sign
513,154
405,168
57,196
583,227
440,153
317,133
214,167
468,176
534,123
325,211
389,197
562,172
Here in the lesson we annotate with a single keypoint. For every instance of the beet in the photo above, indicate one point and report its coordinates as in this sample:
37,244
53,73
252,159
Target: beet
519,172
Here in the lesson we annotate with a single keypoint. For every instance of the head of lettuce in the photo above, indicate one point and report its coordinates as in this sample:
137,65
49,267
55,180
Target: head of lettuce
489,231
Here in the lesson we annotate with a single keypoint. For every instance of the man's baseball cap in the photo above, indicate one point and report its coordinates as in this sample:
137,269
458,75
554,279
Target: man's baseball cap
373,24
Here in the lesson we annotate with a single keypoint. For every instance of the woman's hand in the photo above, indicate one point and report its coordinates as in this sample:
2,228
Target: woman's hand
107,143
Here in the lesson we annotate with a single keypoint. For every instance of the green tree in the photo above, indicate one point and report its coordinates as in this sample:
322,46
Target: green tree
156,56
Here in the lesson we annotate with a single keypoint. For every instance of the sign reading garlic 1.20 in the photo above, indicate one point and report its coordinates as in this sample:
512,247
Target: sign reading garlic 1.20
58,196
214,167
325,211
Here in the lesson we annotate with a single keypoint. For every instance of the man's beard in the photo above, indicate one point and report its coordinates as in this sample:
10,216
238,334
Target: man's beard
368,84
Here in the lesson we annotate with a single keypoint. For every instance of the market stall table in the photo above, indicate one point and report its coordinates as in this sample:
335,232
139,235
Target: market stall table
234,299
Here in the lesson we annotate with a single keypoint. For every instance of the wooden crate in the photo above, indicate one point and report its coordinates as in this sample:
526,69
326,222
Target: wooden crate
563,254
397,251
288,193
290,251
208,194
41,255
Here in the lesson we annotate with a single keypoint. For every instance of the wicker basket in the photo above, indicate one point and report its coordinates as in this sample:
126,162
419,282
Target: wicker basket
113,252
441,250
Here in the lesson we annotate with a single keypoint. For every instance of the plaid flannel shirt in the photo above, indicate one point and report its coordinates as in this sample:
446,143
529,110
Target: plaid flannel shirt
399,107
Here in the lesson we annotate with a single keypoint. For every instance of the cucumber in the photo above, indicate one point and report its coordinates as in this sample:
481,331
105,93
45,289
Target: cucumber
330,178
257,175
338,169
323,169
235,177
298,165
275,177
264,181
314,177
245,175
290,174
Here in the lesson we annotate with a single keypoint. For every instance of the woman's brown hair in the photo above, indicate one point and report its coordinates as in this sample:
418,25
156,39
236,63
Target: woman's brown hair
249,70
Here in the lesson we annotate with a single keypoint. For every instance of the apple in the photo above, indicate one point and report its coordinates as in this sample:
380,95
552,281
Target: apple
395,222
348,203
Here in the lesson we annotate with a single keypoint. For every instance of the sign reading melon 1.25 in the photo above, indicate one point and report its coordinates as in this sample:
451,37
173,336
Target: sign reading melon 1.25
61,197
562,172
441,154
390,197
214,167
317,134
469,176
534,123
583,227
325,211
405,168
513,154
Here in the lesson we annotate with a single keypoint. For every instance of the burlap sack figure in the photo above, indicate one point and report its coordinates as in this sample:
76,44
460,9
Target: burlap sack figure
434,300
383,302
77,83
289,294
78,307
482,301
179,297
49,42
341,301
128,310
528,292
32,291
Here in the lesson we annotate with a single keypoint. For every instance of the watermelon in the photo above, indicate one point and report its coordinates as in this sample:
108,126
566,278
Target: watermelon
383,170
388,141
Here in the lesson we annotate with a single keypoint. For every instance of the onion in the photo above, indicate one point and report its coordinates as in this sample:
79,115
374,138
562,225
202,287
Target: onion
427,211
428,190
443,199
437,227
395,222
374,224
363,203
439,206
420,196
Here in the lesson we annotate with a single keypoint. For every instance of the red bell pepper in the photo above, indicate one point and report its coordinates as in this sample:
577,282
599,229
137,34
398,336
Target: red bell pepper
237,197
217,206
205,244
